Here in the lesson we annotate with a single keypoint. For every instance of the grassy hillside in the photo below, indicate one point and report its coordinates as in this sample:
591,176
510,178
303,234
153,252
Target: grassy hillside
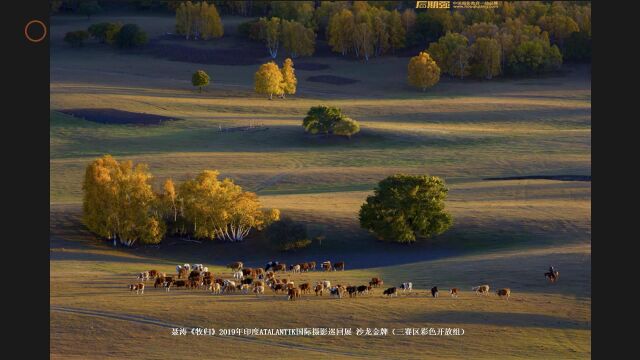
505,233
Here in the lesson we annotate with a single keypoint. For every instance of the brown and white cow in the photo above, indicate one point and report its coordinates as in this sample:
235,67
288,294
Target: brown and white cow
506,292
235,266
454,292
138,288
482,289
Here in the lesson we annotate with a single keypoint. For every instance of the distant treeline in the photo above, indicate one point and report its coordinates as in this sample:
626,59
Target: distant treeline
515,38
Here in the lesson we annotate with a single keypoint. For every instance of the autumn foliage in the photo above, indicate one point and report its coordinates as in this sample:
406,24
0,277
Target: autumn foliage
120,204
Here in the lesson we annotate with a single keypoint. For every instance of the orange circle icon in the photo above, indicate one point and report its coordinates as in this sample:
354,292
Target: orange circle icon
44,31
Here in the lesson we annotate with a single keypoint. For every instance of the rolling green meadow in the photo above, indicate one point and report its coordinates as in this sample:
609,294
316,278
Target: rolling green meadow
506,233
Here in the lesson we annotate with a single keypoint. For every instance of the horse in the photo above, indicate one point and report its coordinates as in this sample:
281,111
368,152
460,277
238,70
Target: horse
552,276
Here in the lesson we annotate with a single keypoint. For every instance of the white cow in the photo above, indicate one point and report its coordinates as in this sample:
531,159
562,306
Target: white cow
296,268
238,275
198,267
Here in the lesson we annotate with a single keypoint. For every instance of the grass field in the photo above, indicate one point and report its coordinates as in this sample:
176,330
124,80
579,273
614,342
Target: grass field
505,233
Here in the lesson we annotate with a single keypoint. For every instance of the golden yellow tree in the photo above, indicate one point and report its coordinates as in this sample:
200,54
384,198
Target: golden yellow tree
119,204
423,71
268,80
211,23
289,81
198,20
221,209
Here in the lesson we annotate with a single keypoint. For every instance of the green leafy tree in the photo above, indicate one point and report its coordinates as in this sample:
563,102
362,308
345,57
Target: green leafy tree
452,54
130,36
485,57
199,79
329,120
405,208
299,11
76,38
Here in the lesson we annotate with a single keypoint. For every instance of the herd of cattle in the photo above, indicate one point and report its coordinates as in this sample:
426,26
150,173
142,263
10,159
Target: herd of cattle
257,280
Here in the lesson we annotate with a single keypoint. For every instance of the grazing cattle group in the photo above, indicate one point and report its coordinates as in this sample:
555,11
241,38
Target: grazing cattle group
256,281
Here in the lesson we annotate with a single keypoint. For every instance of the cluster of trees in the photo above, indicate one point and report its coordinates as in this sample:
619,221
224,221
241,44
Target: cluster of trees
122,36
271,80
198,20
405,208
527,37
485,50
365,31
373,28
120,204
293,36
329,120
